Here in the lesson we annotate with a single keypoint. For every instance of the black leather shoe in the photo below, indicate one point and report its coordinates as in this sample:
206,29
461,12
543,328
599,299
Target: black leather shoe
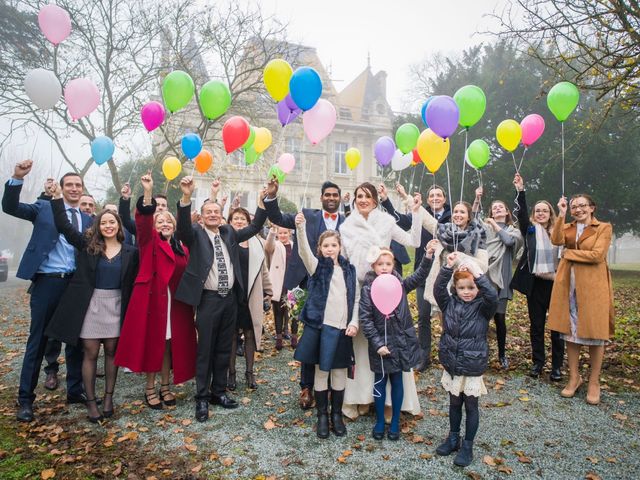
202,410
231,381
536,370
377,435
25,413
223,400
504,363
556,375
82,398
393,435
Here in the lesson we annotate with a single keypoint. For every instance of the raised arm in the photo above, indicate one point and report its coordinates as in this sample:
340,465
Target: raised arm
304,249
273,210
63,225
185,228
489,296
124,209
145,208
414,236
557,232
440,290
418,277
521,205
11,198
254,227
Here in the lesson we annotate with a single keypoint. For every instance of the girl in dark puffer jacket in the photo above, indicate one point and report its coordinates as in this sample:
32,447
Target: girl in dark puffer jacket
464,349
393,344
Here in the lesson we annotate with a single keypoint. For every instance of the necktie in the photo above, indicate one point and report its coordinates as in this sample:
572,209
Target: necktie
333,216
74,219
223,275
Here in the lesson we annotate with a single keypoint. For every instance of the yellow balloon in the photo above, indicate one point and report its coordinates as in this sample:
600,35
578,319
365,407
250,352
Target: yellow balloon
433,150
262,140
509,134
352,158
276,78
171,167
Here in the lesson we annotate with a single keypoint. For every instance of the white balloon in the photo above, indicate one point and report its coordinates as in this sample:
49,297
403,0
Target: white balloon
400,161
43,88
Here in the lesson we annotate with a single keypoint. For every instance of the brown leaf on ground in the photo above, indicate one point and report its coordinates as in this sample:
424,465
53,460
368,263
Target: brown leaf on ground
417,439
228,461
346,453
269,425
505,469
361,438
474,475
197,468
118,470
191,447
341,459
186,421
426,456
524,459
593,460
48,473
620,416
592,476
489,460
128,436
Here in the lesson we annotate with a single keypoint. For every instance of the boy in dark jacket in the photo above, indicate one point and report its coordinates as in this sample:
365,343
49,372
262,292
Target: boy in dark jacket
393,344
464,350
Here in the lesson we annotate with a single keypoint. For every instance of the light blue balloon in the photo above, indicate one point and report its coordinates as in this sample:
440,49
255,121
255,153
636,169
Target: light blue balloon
424,111
102,149
305,87
191,145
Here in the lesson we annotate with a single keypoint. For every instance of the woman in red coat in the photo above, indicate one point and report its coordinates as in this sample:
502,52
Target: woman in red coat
159,331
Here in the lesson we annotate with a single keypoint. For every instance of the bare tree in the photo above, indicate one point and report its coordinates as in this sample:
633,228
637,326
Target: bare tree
596,43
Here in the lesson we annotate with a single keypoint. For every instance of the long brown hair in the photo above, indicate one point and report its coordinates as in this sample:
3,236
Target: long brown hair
327,234
369,189
95,241
509,219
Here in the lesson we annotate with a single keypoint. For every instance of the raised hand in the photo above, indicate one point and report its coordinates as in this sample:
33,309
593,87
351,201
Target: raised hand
187,186
417,202
147,182
48,186
125,191
346,197
215,188
382,192
452,259
401,191
431,247
300,218
22,169
236,202
518,182
272,187
261,194
54,189
479,193
562,206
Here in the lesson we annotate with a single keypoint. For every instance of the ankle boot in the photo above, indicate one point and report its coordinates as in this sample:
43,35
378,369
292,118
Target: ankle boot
322,400
465,455
294,340
450,444
279,342
251,380
337,422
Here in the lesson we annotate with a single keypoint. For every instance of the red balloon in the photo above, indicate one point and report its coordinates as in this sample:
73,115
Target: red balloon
235,133
416,158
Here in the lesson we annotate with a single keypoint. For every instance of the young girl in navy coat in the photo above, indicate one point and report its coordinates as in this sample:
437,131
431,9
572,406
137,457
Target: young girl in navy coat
464,350
328,323
393,344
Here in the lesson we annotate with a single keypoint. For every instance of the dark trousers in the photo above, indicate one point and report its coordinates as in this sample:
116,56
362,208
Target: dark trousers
307,375
45,295
216,326
538,304
424,323
51,354
281,317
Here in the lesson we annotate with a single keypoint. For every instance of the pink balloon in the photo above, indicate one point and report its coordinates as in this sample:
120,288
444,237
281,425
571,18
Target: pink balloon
532,128
386,293
82,97
286,162
318,122
55,23
152,114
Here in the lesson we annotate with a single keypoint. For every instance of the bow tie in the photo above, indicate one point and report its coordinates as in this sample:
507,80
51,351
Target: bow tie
333,216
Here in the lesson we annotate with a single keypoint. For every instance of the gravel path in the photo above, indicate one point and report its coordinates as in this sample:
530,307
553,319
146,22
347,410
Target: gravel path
526,429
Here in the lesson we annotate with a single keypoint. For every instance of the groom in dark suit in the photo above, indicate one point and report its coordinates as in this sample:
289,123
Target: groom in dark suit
212,283
317,221
49,262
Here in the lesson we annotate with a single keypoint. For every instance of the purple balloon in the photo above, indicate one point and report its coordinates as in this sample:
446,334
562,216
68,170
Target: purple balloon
288,111
384,149
442,116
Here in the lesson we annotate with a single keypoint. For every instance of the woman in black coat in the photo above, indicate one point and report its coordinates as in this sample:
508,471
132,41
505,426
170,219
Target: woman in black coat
393,344
534,278
93,306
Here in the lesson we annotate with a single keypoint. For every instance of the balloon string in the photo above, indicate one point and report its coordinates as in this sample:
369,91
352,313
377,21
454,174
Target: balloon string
377,393
455,232
515,165
562,133
522,159
413,176
421,178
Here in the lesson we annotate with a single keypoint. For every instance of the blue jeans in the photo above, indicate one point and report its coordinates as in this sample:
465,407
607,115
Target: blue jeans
45,296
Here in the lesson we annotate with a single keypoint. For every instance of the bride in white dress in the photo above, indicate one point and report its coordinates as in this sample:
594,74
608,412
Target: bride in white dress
366,226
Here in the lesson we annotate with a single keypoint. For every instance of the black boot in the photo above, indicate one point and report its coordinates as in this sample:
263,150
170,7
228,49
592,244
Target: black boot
450,444
337,422
322,400
465,455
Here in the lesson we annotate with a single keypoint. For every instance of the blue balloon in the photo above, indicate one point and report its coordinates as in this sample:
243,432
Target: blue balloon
424,111
102,149
191,145
305,87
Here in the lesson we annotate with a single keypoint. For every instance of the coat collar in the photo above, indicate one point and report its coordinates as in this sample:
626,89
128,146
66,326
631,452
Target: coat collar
571,229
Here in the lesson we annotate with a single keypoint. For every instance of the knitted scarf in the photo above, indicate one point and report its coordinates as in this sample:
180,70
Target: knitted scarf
466,241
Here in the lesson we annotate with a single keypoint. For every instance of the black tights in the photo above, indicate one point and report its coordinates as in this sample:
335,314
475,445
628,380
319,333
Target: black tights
281,316
249,350
455,415
501,332
91,349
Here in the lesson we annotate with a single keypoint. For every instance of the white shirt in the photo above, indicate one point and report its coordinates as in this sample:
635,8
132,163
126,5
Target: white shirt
330,223
212,280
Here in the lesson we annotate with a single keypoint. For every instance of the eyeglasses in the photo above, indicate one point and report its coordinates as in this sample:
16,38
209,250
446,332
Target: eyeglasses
581,206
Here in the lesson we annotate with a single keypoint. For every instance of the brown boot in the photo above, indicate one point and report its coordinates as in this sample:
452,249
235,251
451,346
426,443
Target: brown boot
279,342
294,340
306,399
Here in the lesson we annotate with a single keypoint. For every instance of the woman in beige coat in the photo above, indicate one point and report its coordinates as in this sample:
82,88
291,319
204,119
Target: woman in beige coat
582,297
250,309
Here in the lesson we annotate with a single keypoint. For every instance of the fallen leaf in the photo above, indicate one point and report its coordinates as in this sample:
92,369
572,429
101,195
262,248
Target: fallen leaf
524,459
417,439
341,460
128,436
524,399
227,462
361,438
505,469
48,473
118,469
522,391
197,468
191,447
346,453
245,400
593,460
592,476
186,421
489,460
238,438
213,457
188,440
619,416
474,475
386,457
426,456
612,460
269,425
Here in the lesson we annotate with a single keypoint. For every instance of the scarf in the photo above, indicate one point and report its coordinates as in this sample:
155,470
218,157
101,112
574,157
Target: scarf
496,249
546,259
466,241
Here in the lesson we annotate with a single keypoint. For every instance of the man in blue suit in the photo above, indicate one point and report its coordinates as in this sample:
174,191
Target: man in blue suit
318,221
49,262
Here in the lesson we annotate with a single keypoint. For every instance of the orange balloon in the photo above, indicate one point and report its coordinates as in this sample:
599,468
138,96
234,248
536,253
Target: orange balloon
203,161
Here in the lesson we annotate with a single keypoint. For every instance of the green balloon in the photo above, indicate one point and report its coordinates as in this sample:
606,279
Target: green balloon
407,137
177,90
276,171
563,99
215,99
252,136
472,103
478,154
250,155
